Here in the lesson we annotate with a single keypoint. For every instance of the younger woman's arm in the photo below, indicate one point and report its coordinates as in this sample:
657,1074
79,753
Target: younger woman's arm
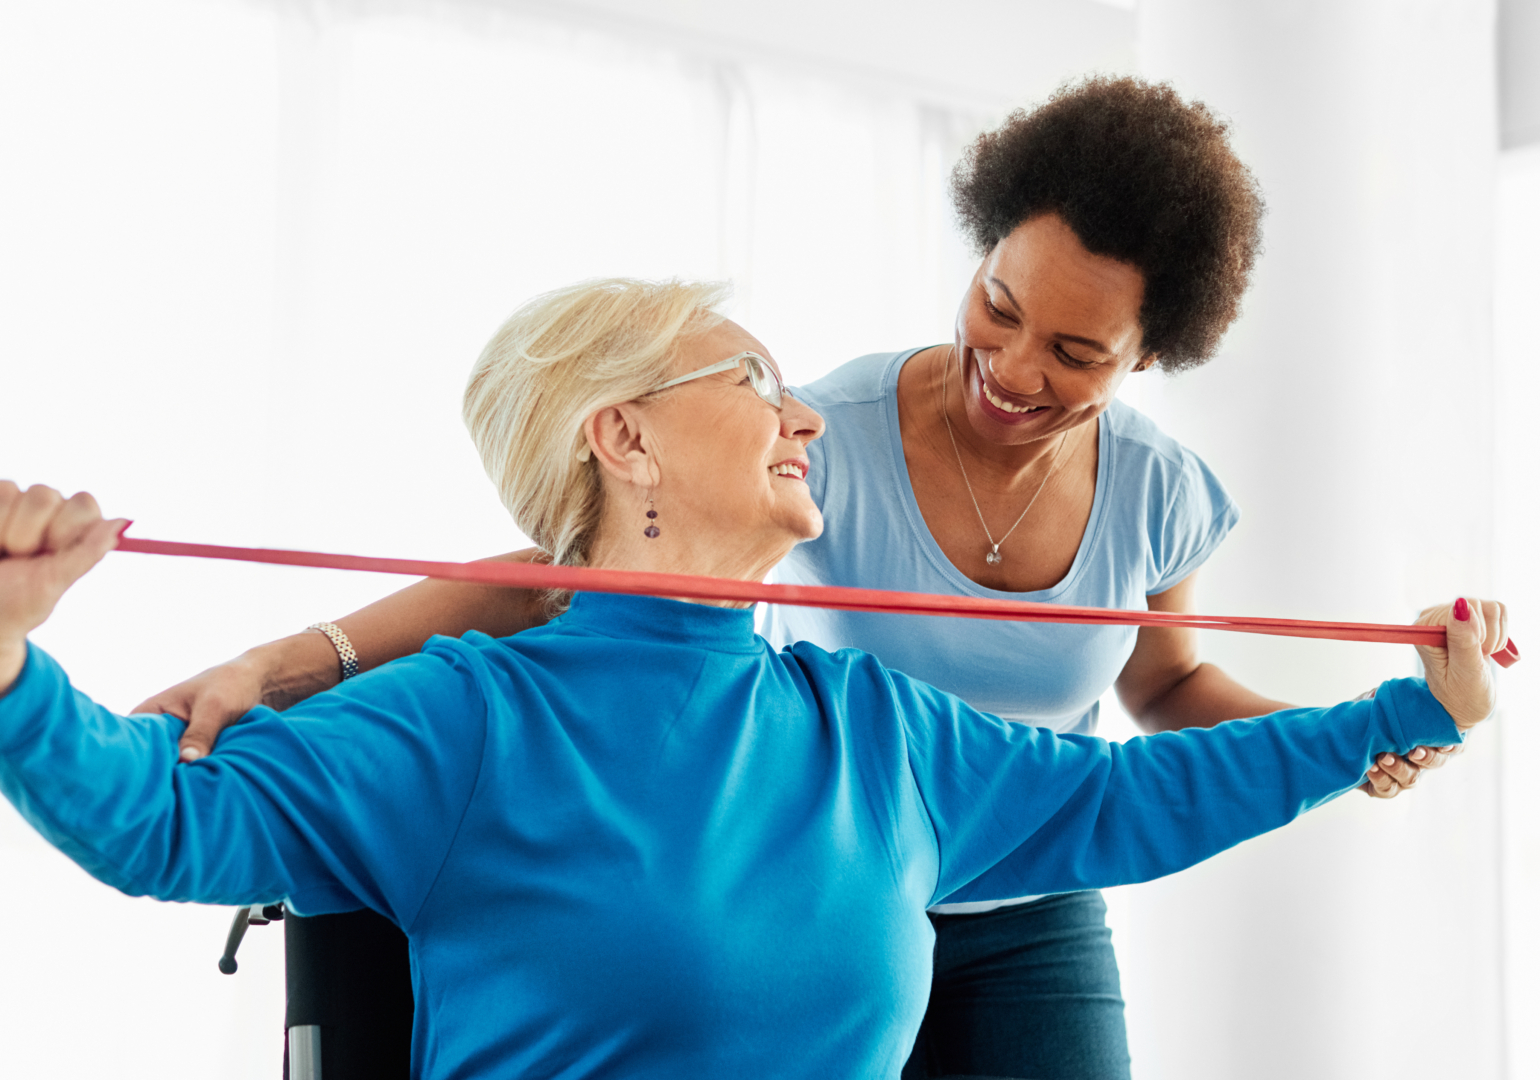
290,669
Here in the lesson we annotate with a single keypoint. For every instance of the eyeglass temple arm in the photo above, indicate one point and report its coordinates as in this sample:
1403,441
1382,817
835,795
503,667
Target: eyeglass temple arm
725,365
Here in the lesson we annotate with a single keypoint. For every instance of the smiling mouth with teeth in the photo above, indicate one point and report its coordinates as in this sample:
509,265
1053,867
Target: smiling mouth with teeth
1006,406
788,468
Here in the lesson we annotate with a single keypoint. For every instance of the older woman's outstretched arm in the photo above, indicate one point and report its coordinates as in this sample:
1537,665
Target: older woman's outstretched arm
1019,810
306,806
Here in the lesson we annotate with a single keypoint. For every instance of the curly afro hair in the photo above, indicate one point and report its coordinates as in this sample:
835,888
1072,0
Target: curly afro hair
1140,176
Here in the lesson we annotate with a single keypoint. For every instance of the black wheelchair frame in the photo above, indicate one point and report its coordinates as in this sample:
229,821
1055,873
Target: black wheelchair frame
348,985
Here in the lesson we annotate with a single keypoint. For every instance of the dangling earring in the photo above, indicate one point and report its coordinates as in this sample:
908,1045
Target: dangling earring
651,531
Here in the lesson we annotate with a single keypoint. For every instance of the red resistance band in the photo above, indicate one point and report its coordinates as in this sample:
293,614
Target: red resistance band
695,587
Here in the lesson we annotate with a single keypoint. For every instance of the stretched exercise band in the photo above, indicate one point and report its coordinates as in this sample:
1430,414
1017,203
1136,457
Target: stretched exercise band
695,587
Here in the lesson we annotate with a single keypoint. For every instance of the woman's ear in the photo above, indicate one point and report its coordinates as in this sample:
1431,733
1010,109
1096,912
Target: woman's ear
621,442
1147,361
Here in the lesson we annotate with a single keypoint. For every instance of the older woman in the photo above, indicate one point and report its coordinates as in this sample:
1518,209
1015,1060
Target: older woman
639,841
1117,231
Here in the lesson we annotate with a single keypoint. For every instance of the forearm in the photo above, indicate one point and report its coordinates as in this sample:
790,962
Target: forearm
1130,812
399,624
1187,796
13,657
293,668
106,790
306,806
1204,697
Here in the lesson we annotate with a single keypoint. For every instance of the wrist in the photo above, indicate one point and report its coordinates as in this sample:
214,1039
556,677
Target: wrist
293,668
13,658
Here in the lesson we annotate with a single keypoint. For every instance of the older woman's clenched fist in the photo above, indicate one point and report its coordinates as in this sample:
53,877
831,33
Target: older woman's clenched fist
1459,674
47,542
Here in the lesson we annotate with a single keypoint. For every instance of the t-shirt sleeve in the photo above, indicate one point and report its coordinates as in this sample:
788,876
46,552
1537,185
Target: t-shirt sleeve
1189,523
1018,810
350,799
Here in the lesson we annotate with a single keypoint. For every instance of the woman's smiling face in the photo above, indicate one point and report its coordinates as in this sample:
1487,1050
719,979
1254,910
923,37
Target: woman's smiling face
1046,334
731,466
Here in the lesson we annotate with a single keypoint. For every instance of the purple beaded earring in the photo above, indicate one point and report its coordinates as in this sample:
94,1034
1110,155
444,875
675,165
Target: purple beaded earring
651,531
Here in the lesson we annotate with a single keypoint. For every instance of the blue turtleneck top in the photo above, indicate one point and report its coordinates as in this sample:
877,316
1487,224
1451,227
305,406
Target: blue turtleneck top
639,842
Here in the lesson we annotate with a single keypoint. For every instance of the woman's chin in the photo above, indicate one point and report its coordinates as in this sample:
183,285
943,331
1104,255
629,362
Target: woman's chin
814,527
808,526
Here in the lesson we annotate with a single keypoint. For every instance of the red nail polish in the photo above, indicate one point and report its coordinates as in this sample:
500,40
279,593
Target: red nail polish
1462,610
126,526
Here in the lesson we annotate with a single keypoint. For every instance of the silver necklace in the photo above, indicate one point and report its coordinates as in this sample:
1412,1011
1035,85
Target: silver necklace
993,556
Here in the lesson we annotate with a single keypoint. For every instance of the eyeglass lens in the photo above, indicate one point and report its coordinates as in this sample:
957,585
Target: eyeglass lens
763,380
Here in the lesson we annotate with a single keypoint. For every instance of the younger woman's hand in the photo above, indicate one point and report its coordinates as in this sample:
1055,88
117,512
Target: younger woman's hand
1459,674
47,543
277,675
1391,774
209,702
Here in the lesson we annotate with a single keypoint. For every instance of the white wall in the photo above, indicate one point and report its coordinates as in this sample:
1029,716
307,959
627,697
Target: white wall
1518,579
1351,413
1002,53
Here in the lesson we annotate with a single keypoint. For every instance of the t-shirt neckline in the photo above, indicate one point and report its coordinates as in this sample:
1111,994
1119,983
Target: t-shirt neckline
922,533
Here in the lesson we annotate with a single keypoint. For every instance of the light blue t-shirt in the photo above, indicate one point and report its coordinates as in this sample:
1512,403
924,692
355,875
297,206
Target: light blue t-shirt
1158,514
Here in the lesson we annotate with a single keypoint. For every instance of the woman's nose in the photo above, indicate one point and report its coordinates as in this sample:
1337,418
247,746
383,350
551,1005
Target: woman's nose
800,421
1015,373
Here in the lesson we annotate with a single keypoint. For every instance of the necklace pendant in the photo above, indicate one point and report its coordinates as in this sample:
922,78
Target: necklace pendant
994,557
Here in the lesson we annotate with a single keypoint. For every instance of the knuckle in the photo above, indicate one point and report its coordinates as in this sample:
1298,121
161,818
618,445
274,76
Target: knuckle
43,495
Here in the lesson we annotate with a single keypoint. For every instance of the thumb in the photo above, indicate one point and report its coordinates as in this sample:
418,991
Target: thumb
1466,688
1465,628
208,720
213,708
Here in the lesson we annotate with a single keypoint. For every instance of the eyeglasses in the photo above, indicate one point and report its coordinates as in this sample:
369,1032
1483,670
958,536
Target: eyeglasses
763,377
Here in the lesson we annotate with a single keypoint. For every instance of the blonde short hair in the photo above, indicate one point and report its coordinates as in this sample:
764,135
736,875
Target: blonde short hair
560,358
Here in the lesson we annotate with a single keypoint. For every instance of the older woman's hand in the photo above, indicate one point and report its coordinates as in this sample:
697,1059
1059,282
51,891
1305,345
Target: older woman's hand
1459,674
47,543
1485,629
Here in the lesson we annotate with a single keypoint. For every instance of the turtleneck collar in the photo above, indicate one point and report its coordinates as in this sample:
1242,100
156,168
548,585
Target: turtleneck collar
652,618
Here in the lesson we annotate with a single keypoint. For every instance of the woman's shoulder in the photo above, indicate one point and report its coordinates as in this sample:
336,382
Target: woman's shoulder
1167,492
1140,449
1138,435
866,380
870,690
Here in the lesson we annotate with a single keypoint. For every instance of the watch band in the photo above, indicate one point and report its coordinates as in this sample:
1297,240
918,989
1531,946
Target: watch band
345,651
